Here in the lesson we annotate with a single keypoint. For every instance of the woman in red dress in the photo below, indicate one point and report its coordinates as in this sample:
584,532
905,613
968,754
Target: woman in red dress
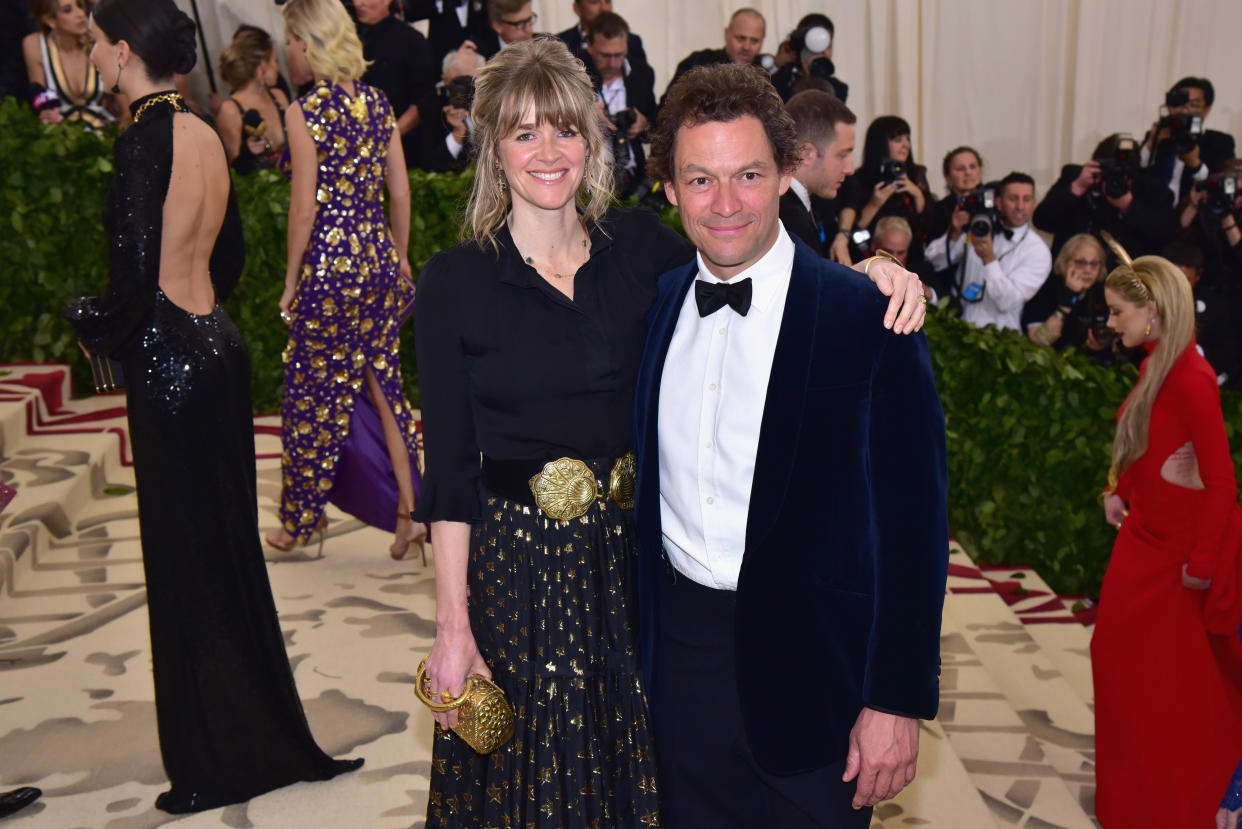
1168,709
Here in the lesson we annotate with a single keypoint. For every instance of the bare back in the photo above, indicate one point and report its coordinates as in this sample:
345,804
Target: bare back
198,193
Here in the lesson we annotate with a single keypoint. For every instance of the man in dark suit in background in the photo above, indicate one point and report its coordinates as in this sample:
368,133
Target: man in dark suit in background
1179,159
791,502
743,42
444,143
451,23
401,67
825,128
622,87
575,37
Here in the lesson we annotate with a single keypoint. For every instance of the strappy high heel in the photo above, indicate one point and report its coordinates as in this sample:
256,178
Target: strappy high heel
416,537
321,530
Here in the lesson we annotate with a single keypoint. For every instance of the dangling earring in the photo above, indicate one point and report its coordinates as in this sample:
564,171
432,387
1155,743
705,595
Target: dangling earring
116,87
500,174
1147,333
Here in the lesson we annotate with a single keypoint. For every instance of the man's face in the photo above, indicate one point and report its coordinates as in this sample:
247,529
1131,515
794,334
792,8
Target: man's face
516,26
823,173
744,38
1196,103
608,54
464,64
727,187
1016,202
588,9
371,12
895,242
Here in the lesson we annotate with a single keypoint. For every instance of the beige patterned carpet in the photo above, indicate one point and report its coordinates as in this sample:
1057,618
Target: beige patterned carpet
1013,745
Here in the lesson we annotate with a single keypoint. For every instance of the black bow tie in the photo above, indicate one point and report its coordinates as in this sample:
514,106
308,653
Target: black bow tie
712,296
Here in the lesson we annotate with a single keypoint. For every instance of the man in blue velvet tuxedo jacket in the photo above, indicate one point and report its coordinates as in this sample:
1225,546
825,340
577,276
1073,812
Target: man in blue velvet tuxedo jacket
791,504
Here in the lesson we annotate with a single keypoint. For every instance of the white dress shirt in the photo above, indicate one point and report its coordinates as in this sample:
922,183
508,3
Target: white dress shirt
1019,269
712,394
1175,181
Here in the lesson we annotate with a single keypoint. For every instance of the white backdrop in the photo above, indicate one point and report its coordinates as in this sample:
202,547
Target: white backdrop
1032,84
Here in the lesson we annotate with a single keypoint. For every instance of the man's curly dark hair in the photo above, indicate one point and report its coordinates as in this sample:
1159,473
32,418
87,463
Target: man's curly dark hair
722,92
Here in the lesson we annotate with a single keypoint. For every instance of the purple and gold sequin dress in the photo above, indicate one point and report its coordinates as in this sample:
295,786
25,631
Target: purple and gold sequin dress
348,308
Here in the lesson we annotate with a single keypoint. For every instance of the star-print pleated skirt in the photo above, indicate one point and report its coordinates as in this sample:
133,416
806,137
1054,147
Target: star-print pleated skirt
552,607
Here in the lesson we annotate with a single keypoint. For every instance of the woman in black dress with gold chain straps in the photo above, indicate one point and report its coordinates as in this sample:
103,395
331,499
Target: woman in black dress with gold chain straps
230,722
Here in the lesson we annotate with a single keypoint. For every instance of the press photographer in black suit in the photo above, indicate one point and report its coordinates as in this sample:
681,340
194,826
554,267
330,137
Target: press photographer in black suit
444,143
575,36
626,93
826,137
401,67
1110,192
811,47
1177,149
743,42
450,23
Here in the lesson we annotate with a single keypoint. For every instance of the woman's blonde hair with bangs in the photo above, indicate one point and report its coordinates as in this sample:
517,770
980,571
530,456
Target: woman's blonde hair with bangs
539,75
333,49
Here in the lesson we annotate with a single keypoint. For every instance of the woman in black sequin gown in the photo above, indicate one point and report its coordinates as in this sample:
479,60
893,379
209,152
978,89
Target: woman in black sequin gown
231,725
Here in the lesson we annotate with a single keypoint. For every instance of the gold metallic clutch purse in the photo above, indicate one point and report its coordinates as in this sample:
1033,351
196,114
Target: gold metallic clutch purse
484,716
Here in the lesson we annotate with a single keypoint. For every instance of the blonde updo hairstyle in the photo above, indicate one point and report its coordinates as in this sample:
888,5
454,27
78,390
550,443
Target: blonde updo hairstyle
539,75
1150,279
333,49
242,58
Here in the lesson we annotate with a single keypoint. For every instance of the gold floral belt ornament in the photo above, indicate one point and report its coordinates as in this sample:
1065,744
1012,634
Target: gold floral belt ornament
566,487
484,716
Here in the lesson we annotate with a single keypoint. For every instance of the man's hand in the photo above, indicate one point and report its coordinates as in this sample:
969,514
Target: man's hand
1087,178
840,250
1227,818
1192,159
601,115
883,755
905,290
640,125
983,248
958,222
1122,203
455,117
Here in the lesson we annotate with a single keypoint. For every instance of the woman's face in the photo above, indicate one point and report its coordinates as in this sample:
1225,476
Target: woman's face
1131,321
899,148
69,18
543,163
269,71
1082,268
299,67
964,173
103,54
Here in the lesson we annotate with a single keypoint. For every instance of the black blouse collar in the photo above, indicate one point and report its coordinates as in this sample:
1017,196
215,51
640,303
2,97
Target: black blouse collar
515,271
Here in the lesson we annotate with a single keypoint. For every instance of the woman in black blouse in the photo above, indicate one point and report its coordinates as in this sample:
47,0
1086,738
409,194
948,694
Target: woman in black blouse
529,336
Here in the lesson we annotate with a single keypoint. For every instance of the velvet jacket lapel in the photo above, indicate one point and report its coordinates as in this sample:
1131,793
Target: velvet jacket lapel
785,404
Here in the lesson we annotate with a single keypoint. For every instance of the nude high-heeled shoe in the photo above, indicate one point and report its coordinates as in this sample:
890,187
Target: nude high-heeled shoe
321,530
415,536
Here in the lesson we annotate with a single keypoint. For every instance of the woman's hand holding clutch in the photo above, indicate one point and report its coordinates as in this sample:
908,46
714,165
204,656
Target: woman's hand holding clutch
454,656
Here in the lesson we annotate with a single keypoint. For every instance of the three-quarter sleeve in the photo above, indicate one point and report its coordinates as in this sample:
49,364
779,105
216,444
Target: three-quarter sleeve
451,451
229,254
1199,408
134,220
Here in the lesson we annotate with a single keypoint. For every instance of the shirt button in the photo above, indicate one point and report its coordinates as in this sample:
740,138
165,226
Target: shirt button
711,500
712,387
721,331
708,444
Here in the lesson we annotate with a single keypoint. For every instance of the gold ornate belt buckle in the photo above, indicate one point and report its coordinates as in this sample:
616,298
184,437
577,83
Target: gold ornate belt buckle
564,488
621,483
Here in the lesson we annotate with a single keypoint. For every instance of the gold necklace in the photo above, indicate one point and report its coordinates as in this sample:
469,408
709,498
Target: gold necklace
164,97
531,261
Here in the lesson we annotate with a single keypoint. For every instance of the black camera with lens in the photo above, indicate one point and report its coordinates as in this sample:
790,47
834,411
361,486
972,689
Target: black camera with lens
860,244
1221,190
891,170
1184,131
1119,162
980,204
623,178
458,93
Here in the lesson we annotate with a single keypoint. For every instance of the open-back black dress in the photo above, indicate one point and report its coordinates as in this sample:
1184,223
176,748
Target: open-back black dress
231,724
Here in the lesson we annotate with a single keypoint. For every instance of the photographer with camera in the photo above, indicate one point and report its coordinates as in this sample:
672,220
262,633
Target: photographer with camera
1069,309
889,183
1177,149
1217,301
1004,263
963,174
444,141
626,98
811,46
1209,219
1110,192
575,37
825,128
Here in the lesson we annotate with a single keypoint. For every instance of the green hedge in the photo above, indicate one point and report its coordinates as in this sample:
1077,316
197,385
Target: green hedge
1029,429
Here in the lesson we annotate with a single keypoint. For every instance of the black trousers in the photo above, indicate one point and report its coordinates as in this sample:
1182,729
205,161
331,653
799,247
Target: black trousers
708,776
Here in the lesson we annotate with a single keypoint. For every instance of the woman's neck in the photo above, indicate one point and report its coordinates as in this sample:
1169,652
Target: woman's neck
143,86
253,87
67,41
546,234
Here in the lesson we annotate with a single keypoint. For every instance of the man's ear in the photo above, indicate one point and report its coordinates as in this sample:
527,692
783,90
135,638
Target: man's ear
670,193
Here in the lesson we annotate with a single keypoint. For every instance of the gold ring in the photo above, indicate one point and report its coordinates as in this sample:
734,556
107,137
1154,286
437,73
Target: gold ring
922,299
